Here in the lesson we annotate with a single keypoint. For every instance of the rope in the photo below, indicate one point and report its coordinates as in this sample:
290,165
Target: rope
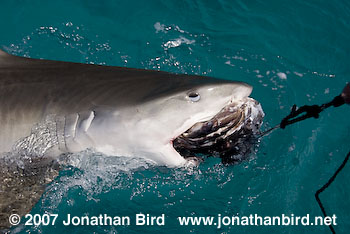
326,185
310,111
314,111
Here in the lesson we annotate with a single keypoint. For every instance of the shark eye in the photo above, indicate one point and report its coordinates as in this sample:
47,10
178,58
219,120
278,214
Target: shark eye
194,97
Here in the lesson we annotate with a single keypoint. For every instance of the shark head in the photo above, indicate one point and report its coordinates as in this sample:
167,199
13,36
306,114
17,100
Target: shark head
174,119
210,116
189,103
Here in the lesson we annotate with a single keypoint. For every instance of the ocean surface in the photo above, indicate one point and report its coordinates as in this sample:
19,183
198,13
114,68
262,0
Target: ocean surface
291,52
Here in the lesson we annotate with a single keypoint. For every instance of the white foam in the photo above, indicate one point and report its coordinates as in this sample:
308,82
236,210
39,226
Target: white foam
178,41
228,62
298,74
282,75
159,27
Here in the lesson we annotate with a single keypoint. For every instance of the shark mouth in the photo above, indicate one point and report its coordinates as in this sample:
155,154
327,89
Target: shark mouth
230,134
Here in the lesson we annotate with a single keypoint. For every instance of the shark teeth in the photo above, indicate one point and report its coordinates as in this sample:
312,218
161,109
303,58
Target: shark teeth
223,132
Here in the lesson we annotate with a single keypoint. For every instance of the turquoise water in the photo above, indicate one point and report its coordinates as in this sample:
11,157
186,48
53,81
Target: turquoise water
292,52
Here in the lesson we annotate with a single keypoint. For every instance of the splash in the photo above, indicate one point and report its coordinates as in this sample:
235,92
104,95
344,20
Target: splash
75,38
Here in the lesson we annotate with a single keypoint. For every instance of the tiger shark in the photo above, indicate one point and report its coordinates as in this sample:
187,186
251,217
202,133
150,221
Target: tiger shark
115,110
49,108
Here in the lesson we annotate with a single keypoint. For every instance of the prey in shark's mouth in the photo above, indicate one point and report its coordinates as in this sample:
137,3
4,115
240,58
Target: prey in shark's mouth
230,134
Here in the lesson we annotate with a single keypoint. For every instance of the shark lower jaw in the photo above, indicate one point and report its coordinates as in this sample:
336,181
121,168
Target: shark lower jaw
230,134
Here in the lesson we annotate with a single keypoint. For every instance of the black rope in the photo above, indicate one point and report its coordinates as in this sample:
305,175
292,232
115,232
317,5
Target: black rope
310,111
326,185
314,111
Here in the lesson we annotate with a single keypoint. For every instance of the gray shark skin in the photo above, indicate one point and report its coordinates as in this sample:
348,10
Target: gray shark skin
49,108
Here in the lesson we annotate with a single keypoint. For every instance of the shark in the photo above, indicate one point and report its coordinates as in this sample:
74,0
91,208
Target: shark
51,108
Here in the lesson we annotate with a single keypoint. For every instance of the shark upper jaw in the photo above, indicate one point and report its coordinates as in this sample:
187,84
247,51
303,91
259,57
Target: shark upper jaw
199,117
244,121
